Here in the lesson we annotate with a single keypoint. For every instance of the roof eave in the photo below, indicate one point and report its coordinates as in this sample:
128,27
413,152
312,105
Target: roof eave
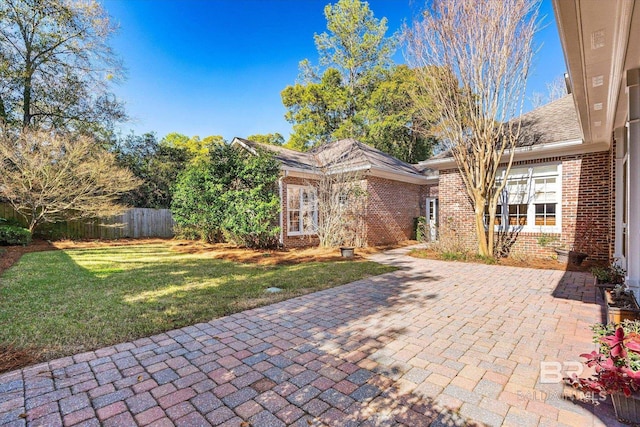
533,152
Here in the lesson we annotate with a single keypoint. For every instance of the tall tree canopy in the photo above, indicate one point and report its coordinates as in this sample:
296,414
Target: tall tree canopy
267,138
198,149
156,163
474,58
343,97
56,65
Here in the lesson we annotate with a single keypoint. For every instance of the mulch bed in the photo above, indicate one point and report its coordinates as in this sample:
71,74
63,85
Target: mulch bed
530,262
9,255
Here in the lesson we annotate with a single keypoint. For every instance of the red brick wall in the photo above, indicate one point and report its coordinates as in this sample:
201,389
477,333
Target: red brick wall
390,212
586,207
391,209
456,210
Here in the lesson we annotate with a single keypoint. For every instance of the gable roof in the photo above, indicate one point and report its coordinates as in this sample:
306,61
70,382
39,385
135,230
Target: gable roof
345,153
556,121
550,130
288,158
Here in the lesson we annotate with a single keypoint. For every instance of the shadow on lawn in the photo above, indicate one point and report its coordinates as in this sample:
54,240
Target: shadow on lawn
87,302
335,345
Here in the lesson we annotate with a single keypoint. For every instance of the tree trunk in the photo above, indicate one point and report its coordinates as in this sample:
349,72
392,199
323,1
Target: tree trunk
483,247
3,111
26,96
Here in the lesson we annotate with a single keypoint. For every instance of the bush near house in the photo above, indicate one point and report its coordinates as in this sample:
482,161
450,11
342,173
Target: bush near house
231,197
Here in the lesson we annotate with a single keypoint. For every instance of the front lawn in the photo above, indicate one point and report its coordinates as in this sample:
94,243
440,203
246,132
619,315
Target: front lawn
68,301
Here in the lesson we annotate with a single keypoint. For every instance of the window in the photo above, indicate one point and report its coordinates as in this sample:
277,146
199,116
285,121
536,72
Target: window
302,210
531,199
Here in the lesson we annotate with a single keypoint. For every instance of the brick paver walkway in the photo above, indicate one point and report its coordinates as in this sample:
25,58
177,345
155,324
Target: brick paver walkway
435,343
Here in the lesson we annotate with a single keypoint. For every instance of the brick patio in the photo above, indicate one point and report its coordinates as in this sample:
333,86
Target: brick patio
435,343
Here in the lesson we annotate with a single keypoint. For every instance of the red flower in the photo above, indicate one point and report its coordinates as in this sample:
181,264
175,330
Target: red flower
616,343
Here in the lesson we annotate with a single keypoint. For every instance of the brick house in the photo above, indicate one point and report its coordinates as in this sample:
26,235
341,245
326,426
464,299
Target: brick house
395,190
558,188
602,53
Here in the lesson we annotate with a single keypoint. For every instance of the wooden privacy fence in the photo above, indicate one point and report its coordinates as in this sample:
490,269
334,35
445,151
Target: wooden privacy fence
134,223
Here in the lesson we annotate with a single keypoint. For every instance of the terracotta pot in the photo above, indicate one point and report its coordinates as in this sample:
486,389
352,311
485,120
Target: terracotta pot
627,408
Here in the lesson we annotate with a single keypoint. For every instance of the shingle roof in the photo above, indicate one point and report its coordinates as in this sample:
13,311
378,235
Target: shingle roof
355,153
291,158
556,121
345,152
553,122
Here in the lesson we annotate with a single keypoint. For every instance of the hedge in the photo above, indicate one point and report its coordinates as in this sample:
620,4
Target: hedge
14,235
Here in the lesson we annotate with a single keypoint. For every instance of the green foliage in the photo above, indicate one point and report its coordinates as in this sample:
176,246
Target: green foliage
197,206
357,92
14,235
611,274
316,110
233,195
395,123
545,239
419,226
267,138
252,203
157,164
198,150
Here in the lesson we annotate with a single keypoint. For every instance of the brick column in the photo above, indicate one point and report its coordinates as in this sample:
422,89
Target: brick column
633,262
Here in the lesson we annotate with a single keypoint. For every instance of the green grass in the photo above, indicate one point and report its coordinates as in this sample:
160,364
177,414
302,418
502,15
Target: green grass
64,302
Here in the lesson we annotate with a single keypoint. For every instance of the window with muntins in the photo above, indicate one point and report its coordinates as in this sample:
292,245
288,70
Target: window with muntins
531,199
302,210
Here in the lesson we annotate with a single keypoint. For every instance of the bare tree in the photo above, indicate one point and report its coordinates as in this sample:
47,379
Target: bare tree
341,200
48,177
56,64
474,57
556,89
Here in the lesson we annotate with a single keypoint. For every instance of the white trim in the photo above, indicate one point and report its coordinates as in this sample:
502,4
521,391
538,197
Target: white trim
236,140
621,159
302,232
633,206
531,226
401,176
540,151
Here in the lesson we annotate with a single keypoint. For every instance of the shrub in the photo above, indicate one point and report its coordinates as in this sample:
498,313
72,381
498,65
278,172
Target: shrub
232,196
13,235
421,230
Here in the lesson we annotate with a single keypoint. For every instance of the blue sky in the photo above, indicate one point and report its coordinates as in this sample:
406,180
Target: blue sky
217,67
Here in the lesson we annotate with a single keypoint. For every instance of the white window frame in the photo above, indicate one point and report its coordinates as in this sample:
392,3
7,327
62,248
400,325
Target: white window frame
531,175
305,230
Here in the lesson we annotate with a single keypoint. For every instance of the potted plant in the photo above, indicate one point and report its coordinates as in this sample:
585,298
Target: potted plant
608,277
617,371
563,255
621,305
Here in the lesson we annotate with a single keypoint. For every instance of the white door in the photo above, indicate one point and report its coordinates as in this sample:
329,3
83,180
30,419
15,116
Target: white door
432,218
